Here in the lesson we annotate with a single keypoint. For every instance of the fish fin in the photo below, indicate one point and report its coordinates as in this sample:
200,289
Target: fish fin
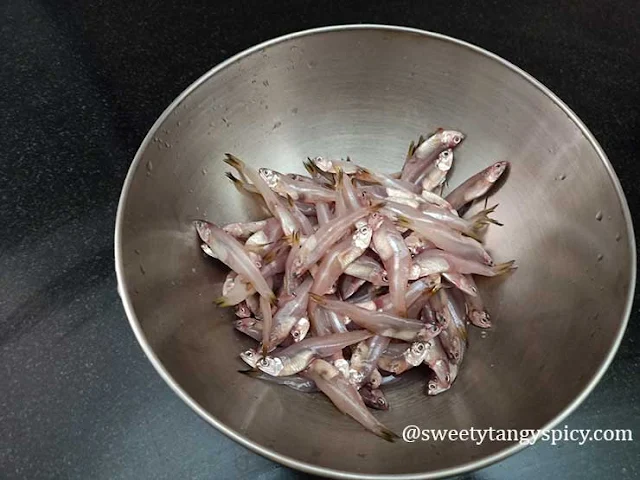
250,372
412,149
386,433
421,140
376,207
319,299
348,158
365,175
505,267
403,221
234,161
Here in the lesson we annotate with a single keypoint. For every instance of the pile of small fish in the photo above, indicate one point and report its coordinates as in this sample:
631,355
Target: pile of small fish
358,276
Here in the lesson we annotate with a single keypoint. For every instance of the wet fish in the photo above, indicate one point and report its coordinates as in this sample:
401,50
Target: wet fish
417,164
381,323
436,173
395,256
476,186
229,251
298,356
345,397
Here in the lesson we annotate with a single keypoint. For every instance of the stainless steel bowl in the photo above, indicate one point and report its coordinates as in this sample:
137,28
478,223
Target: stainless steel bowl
366,91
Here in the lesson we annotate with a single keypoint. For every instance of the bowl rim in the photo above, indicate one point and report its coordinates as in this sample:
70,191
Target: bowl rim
308,467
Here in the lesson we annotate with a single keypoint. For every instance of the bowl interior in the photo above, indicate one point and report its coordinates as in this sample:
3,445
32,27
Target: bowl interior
366,93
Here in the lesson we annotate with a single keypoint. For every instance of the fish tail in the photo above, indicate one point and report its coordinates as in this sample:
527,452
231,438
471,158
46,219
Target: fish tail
234,161
473,234
222,302
319,299
339,177
386,433
412,149
482,219
293,239
505,267
309,167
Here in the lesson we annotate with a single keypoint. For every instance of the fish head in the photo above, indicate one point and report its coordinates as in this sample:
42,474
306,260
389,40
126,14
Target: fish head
271,365
375,379
445,160
362,237
251,357
429,331
300,329
416,352
480,318
398,366
375,220
495,171
434,387
377,398
451,138
270,177
203,229
323,164
242,310
255,259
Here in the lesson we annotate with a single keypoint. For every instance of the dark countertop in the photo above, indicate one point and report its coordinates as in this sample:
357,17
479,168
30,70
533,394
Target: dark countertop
81,83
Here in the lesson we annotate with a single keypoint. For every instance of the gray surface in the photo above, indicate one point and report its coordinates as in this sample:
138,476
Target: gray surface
82,83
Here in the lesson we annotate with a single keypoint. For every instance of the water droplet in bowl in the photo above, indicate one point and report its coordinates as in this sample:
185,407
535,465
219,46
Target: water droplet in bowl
599,216
600,257
204,171
618,237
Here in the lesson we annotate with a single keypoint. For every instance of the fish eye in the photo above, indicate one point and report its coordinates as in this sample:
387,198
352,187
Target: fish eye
432,386
385,278
264,362
456,139
447,378
249,353
295,333
381,401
